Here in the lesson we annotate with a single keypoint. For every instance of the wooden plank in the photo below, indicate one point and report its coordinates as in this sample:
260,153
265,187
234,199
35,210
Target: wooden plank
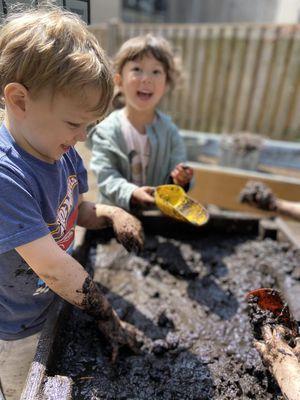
246,81
243,40
275,91
205,36
189,70
166,102
221,186
210,82
197,73
294,124
174,96
288,233
228,65
283,81
259,93
290,128
294,227
257,53
188,59
216,80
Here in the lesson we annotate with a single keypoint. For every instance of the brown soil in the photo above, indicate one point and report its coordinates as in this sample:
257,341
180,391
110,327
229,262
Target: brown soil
189,298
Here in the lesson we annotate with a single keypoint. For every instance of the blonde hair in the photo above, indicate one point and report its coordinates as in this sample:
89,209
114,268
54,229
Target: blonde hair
48,47
140,46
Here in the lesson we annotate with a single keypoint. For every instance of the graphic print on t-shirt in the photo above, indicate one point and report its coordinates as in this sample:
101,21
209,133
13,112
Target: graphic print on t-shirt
63,229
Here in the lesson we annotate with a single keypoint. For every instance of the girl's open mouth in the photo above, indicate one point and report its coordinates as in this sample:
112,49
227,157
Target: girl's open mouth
144,95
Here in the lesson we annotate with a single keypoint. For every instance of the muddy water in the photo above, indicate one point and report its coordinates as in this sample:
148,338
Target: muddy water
189,298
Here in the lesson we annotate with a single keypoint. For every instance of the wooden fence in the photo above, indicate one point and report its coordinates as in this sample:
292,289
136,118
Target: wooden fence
238,77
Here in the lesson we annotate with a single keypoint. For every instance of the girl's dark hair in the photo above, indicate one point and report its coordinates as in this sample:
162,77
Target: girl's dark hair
140,46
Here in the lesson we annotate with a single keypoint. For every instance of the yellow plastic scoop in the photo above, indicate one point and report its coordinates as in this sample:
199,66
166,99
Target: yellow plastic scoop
174,202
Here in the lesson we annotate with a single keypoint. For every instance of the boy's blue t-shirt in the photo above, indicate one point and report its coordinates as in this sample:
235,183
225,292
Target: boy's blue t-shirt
36,198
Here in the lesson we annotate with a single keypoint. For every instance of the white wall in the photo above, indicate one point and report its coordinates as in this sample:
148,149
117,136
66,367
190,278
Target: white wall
105,10
281,11
288,11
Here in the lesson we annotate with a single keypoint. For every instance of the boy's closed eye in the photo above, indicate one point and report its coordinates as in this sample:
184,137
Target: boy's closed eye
73,124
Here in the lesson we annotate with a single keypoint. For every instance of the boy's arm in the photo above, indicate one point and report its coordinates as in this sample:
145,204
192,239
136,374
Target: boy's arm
66,277
127,228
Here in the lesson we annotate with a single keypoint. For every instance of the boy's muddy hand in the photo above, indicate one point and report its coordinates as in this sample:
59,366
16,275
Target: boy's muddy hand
182,174
143,195
128,230
120,333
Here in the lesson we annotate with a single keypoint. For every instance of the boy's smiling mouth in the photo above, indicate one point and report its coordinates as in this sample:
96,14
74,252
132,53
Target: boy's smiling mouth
65,147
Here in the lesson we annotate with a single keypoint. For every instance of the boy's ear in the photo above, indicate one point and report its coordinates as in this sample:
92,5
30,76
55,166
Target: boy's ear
118,80
16,97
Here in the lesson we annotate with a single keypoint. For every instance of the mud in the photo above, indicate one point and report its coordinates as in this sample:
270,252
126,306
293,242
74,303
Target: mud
243,143
94,303
188,297
259,195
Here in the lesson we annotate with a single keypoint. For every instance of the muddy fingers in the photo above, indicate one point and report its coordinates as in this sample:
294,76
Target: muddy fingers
121,334
131,240
128,230
262,348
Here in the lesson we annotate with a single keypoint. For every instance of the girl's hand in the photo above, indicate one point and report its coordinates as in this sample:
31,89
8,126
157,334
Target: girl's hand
182,174
143,196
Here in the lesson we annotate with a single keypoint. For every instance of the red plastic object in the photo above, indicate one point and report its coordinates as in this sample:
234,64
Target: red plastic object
272,300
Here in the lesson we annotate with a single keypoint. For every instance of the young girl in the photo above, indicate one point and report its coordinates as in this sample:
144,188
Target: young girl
138,147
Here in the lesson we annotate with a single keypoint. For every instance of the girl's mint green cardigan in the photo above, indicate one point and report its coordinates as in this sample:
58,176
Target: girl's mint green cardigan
110,158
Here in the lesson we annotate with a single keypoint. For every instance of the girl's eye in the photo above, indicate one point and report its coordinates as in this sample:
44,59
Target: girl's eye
136,69
157,72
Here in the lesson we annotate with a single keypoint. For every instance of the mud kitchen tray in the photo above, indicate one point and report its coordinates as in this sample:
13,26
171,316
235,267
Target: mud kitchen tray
186,292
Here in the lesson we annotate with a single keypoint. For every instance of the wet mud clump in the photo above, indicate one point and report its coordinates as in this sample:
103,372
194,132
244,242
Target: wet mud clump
195,317
259,317
259,195
242,143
